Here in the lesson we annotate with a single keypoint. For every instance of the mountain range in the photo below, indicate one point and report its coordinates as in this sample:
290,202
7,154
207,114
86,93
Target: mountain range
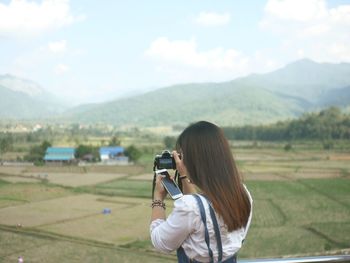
288,92
25,99
255,99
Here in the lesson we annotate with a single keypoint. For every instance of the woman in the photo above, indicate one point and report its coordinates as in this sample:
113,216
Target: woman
206,164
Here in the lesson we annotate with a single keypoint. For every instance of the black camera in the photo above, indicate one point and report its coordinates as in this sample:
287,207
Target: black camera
165,161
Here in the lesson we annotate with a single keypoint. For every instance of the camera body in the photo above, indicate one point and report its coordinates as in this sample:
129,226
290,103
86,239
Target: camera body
165,161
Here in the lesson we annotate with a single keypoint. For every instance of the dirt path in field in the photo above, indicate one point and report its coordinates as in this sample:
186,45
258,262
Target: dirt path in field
340,157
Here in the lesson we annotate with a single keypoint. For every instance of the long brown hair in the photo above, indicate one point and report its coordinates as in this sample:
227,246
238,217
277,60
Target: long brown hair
210,164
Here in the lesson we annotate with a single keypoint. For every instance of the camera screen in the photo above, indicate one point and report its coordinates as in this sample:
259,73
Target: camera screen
166,161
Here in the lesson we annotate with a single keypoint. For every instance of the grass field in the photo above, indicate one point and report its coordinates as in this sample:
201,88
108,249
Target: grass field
301,207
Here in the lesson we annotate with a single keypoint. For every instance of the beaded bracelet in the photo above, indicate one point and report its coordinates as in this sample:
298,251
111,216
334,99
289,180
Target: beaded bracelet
158,203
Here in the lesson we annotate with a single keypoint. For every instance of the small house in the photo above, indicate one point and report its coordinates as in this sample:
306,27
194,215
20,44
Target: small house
59,155
113,155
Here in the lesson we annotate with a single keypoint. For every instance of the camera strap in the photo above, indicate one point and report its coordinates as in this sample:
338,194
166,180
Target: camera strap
154,180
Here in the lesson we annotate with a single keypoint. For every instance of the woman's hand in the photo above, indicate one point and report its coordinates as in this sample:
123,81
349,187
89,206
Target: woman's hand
180,166
187,186
159,190
158,211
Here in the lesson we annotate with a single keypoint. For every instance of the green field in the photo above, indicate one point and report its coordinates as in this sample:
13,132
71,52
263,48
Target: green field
54,214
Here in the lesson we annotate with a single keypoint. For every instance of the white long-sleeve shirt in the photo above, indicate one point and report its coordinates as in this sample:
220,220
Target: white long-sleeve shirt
184,227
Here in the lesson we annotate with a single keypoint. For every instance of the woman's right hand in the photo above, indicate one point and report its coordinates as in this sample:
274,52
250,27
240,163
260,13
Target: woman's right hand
159,190
180,166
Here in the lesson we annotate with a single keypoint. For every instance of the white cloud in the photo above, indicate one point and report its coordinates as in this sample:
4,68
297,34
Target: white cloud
26,18
321,32
58,46
61,69
212,19
340,50
298,10
185,52
315,30
180,61
340,15
300,53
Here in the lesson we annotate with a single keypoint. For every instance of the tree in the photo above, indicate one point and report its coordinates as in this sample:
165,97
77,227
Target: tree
114,141
44,145
288,147
133,153
169,142
329,124
6,144
83,150
29,137
36,153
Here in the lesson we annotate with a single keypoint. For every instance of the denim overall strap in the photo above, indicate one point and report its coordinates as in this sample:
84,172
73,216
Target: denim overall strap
204,219
232,259
216,229
181,255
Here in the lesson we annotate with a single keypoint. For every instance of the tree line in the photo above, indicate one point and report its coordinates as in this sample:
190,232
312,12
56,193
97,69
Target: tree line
328,124
36,151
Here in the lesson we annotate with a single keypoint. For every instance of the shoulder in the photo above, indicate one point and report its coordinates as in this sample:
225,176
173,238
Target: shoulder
186,202
186,209
192,204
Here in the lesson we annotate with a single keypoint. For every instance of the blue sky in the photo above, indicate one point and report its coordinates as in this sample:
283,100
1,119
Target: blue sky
92,51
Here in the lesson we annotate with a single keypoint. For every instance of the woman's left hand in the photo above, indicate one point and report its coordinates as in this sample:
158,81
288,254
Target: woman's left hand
180,166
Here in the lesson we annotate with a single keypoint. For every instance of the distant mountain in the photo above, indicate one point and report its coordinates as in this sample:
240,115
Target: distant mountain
256,99
335,97
304,78
25,99
181,104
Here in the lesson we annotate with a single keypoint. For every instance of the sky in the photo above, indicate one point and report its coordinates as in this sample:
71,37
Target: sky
88,51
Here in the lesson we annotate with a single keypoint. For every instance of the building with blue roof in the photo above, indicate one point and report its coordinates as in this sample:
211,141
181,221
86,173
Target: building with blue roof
60,154
113,155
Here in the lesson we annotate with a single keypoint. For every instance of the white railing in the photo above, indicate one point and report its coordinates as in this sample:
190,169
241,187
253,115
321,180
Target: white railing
321,259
